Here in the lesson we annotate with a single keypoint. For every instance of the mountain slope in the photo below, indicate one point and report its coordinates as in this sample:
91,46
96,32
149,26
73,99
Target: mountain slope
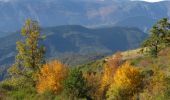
70,40
89,13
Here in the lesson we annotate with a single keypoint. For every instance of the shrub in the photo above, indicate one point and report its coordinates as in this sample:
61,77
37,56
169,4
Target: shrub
127,82
75,85
109,71
93,84
51,77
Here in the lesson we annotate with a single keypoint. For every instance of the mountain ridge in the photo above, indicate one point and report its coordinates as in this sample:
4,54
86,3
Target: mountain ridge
75,39
65,12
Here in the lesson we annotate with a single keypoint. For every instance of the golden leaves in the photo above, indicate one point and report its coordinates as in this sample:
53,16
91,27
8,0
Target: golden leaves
109,70
51,77
127,82
127,76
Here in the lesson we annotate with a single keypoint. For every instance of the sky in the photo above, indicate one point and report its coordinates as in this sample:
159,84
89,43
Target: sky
151,0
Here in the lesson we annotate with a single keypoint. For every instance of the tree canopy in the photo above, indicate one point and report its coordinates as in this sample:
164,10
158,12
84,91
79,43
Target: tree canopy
159,37
30,57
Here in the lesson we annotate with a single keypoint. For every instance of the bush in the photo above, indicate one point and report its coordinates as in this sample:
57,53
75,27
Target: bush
93,84
75,85
51,77
110,68
127,82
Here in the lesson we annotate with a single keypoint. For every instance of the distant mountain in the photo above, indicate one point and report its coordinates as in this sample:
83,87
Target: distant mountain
94,13
142,22
2,34
65,42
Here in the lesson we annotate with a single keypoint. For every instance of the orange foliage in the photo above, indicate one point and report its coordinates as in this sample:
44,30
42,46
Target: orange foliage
109,70
51,77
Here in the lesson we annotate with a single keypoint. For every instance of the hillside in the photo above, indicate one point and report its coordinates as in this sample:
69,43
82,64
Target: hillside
76,65
97,65
73,40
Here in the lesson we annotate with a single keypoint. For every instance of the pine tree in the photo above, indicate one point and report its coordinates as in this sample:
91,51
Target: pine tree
30,57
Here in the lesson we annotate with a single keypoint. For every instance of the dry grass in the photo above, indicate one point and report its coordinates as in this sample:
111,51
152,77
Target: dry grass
130,54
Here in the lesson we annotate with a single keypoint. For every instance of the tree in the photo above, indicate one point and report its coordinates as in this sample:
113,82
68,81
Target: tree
75,85
51,77
159,38
127,82
109,71
30,57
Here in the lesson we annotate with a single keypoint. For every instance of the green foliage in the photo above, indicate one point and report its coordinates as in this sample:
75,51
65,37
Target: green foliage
8,91
12,92
159,38
30,55
75,85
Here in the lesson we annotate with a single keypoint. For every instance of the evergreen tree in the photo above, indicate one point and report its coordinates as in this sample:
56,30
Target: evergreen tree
159,38
30,57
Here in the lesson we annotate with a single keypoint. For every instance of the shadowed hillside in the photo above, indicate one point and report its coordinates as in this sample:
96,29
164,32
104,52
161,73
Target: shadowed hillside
70,39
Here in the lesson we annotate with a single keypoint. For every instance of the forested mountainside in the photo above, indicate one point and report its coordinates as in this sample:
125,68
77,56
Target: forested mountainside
73,40
92,13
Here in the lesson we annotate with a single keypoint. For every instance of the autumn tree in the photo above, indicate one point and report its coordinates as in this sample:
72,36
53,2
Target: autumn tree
127,82
93,80
75,85
30,57
51,77
109,71
159,37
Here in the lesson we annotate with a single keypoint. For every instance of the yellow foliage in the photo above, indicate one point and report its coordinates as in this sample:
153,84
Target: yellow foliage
109,70
127,77
127,81
51,77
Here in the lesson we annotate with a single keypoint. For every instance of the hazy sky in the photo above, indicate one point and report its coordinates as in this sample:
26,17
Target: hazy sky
152,0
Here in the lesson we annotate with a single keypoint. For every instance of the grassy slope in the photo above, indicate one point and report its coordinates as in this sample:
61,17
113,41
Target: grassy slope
136,58
97,65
